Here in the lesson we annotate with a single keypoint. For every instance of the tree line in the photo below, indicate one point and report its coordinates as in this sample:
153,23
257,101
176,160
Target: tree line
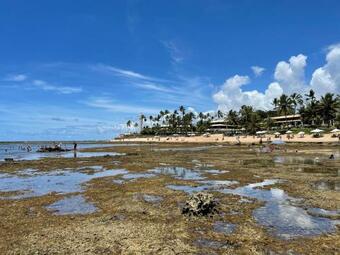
314,112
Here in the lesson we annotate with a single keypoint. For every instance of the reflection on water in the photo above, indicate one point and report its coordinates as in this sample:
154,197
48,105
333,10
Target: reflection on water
70,154
178,173
72,205
333,214
287,221
326,185
279,215
137,176
224,227
297,160
42,183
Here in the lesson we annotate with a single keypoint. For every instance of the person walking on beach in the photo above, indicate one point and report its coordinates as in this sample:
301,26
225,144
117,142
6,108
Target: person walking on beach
75,146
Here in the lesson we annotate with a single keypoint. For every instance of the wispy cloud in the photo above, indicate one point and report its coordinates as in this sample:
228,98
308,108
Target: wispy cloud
136,79
122,72
16,77
175,53
58,89
110,105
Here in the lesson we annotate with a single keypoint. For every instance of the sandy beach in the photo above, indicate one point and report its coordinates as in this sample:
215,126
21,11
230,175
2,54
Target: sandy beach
219,138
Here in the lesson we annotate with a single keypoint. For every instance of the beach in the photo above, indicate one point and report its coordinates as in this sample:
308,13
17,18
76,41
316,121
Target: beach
219,138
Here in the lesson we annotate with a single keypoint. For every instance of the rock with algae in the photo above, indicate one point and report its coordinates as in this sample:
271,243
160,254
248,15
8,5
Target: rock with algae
200,204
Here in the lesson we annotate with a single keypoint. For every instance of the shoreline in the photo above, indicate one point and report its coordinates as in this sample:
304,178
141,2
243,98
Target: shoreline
220,139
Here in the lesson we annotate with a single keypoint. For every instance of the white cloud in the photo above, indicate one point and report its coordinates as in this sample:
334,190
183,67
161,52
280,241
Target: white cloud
258,70
231,96
16,77
59,89
289,77
327,78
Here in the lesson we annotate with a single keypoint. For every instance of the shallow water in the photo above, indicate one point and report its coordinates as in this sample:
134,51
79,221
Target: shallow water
333,214
298,160
286,221
178,172
224,227
42,183
327,185
282,218
72,205
279,214
70,154
134,176
18,151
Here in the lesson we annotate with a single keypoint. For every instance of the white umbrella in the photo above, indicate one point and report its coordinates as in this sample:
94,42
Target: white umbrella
277,133
335,130
261,132
301,133
289,132
316,131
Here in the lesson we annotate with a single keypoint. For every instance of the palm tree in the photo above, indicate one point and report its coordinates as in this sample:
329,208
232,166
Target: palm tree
328,107
311,110
296,99
182,110
245,113
253,123
232,117
310,96
128,123
275,103
142,118
219,114
285,105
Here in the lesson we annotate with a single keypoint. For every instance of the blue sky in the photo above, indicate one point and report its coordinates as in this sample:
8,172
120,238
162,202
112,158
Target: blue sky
81,69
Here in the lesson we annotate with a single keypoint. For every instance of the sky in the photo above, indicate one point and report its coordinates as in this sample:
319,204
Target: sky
79,70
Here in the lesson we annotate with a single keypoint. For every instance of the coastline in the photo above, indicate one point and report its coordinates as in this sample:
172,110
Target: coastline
219,138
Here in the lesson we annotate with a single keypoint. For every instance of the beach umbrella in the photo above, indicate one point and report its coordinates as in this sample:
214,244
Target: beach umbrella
301,133
277,133
261,132
289,132
335,130
278,142
316,131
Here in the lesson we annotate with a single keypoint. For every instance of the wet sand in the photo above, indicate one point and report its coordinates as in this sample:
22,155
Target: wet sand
130,203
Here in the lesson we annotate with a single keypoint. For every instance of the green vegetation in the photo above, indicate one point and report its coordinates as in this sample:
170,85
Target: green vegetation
314,112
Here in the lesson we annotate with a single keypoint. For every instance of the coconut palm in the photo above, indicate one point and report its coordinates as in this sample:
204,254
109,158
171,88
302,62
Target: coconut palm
219,114
245,113
327,108
275,103
296,99
128,123
232,117
285,105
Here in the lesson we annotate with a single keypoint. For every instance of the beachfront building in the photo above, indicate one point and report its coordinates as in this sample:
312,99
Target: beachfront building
293,120
221,126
